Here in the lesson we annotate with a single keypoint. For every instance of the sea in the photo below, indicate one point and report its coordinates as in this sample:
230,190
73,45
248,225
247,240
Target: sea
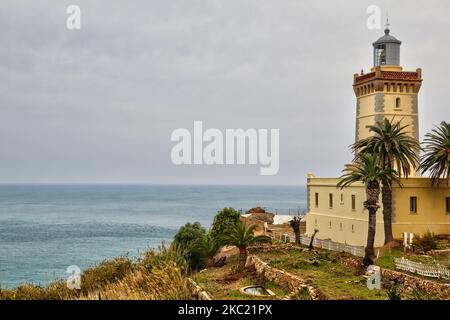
44,229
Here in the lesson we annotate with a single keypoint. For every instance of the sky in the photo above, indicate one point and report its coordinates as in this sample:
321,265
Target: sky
99,104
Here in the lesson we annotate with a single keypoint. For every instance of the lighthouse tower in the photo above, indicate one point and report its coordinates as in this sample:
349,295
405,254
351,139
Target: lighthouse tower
387,91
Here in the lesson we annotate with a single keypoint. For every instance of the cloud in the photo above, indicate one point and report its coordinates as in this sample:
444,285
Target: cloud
99,104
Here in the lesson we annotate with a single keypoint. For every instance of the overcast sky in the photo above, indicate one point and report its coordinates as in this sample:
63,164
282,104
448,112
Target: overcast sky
98,105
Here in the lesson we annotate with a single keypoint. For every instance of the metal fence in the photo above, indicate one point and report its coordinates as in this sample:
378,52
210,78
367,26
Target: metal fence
427,270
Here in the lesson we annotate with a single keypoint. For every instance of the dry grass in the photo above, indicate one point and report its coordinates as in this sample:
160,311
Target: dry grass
164,281
159,274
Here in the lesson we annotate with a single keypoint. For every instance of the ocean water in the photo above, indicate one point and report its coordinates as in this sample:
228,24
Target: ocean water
46,228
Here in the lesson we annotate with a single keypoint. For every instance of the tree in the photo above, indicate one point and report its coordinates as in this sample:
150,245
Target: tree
310,247
365,169
242,236
437,153
207,247
394,149
184,239
295,225
225,219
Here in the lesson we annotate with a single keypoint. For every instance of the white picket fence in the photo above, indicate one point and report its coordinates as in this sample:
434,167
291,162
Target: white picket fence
281,236
427,270
334,246
317,243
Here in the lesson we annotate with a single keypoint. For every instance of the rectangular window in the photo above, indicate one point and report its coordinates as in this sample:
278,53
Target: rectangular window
342,198
331,200
397,103
413,204
353,202
447,204
317,200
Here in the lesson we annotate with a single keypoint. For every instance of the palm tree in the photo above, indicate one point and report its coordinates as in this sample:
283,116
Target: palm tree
207,247
295,225
437,152
366,169
394,149
242,236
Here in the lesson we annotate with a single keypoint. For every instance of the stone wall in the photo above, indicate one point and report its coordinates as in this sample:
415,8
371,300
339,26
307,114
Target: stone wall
410,282
198,293
283,278
274,247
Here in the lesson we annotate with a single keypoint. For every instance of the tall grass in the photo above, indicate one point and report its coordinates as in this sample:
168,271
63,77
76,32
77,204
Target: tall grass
157,275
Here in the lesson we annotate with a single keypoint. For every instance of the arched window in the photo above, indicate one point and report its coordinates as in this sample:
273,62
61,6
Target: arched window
397,103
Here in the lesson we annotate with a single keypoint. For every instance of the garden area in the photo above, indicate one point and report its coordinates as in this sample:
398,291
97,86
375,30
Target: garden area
226,282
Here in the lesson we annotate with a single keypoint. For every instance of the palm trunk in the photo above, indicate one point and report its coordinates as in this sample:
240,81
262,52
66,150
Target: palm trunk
242,257
387,211
371,204
370,250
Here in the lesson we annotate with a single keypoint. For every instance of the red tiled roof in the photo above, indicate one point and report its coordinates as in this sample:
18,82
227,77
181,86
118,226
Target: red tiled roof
389,75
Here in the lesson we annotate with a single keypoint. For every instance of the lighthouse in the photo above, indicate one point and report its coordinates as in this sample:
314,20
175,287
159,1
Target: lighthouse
387,91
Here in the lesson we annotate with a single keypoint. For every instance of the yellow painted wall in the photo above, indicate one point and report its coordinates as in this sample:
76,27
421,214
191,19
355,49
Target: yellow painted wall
431,208
404,114
431,213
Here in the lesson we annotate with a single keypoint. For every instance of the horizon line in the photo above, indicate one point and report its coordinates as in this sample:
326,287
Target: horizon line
143,184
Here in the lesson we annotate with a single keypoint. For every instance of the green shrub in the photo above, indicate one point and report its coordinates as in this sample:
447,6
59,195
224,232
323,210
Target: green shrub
302,294
393,293
154,258
187,234
427,241
106,272
184,240
225,219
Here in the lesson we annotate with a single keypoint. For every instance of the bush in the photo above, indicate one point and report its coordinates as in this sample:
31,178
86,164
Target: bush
106,272
393,293
224,220
56,290
158,274
153,259
164,282
427,241
187,234
184,240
